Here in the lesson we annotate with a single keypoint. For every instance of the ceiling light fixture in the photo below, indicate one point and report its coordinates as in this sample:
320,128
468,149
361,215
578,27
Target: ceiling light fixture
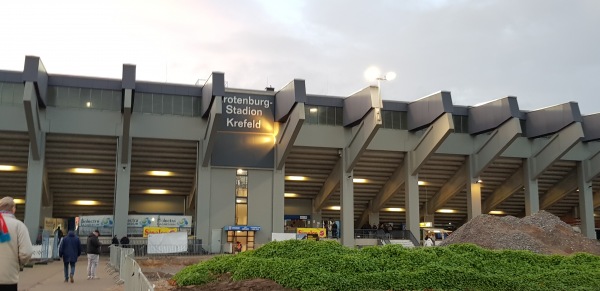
19,201
7,168
359,180
421,183
84,171
160,173
496,212
86,202
295,178
445,211
290,195
157,191
335,207
394,209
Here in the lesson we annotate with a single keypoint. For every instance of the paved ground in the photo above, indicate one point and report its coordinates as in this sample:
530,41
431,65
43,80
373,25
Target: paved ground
51,277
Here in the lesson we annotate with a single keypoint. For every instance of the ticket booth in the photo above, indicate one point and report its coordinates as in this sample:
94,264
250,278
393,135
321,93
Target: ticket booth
242,233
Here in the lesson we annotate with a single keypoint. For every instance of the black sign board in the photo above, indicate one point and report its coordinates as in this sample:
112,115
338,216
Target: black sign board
245,135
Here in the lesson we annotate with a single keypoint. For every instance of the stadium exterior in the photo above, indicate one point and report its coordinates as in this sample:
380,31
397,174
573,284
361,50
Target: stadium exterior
241,159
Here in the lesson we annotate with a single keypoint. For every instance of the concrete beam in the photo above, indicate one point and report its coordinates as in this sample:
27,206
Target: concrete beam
447,191
513,184
190,199
586,203
389,188
127,109
47,199
385,194
560,190
362,136
347,205
210,134
431,140
288,134
411,191
333,180
593,167
30,103
214,86
364,217
558,145
499,140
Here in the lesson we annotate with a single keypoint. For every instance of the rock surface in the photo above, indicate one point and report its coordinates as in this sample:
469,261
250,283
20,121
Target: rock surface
542,233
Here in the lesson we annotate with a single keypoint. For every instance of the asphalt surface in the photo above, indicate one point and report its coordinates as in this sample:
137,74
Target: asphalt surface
50,277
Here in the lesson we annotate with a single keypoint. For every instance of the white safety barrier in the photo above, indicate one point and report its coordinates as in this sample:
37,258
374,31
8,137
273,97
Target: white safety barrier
122,261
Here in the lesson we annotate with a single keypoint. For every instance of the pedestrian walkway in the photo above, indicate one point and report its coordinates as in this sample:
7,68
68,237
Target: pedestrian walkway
51,277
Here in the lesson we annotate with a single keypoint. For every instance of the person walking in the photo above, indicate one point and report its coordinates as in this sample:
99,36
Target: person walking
15,245
70,250
93,254
428,241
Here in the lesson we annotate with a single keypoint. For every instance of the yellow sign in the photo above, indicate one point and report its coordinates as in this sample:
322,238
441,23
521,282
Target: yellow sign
154,229
425,224
319,231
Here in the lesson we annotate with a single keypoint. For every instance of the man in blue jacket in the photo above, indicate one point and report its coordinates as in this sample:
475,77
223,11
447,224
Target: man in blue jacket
70,250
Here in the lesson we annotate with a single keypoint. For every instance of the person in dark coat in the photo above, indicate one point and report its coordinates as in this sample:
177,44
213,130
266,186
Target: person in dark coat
125,242
115,240
70,250
93,254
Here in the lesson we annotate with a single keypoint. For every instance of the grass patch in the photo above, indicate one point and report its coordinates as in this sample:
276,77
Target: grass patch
327,265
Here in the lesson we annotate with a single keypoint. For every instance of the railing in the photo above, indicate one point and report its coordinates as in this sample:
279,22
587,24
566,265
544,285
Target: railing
129,272
382,235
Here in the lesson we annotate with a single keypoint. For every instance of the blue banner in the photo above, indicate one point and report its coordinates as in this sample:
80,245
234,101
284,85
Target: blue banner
242,227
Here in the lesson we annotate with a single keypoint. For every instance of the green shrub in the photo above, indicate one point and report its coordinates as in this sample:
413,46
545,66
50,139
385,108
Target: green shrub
327,265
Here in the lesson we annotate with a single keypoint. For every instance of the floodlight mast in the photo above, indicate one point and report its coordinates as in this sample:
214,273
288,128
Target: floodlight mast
373,73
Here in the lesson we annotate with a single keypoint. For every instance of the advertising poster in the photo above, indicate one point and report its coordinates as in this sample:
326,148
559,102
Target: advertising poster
142,220
167,243
103,223
312,232
175,221
153,229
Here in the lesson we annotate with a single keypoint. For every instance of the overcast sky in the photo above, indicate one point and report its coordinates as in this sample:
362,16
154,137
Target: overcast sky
545,52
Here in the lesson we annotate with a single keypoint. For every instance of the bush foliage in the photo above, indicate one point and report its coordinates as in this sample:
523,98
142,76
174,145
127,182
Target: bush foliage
327,265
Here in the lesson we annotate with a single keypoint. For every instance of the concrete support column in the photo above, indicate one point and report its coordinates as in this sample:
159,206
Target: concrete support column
473,200
473,192
278,200
411,190
347,203
532,196
373,218
586,203
203,195
34,192
316,219
122,190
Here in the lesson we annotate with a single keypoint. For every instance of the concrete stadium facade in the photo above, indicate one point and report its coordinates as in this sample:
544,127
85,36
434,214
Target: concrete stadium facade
240,157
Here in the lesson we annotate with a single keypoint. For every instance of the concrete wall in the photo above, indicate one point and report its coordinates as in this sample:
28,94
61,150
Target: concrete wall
12,118
81,121
222,198
295,206
166,126
157,204
260,201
